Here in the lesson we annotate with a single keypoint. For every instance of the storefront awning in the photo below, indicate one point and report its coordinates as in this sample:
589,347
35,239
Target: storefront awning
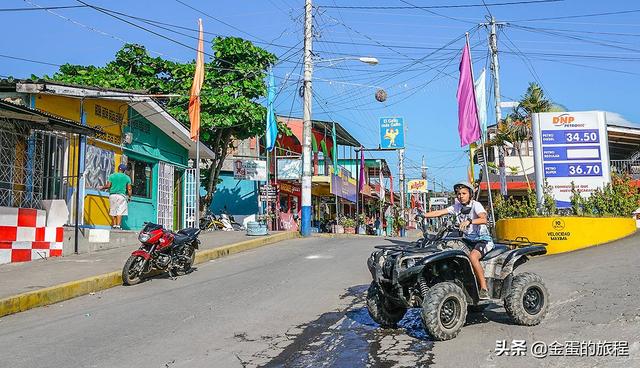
41,120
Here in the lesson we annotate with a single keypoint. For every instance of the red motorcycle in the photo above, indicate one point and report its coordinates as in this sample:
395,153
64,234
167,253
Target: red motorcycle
162,250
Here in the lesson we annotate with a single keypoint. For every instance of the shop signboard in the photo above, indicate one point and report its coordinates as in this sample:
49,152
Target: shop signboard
570,147
343,187
417,186
392,133
438,201
289,169
255,170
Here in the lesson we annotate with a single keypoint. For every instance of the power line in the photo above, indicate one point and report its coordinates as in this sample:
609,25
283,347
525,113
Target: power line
439,6
29,60
42,8
576,16
218,20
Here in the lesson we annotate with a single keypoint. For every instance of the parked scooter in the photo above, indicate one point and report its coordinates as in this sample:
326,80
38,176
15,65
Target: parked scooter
163,250
229,222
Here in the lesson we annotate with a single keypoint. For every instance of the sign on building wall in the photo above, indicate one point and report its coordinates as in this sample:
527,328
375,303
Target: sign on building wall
417,186
289,169
570,147
392,133
343,187
438,201
99,165
250,170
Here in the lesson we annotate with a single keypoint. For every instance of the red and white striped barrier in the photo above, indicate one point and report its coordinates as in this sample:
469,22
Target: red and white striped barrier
24,235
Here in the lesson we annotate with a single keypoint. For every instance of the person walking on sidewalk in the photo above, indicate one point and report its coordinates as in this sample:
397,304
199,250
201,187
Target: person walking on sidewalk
119,185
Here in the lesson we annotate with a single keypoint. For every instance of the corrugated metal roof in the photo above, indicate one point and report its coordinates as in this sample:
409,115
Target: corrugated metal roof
48,121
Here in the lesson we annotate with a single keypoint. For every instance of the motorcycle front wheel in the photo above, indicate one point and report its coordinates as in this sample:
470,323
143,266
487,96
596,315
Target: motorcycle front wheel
132,270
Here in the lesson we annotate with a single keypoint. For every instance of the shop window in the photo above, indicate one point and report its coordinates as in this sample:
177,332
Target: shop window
141,176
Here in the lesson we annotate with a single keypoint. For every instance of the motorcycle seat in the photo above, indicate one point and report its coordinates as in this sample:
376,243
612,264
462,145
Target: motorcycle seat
496,251
185,235
190,231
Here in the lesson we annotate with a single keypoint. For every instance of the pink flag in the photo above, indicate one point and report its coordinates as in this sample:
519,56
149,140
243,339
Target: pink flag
468,126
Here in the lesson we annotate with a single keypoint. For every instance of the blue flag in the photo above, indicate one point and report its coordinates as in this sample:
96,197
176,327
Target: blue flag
272,124
334,150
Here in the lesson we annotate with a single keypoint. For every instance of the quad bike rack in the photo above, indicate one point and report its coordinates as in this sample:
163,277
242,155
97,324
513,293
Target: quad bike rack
520,242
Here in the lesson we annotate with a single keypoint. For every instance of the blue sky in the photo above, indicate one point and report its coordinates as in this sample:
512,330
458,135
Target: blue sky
583,62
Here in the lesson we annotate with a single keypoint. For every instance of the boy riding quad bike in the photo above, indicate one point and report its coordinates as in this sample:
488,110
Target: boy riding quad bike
442,281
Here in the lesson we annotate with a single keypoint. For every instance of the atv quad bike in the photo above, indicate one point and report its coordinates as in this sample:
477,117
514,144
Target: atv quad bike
437,276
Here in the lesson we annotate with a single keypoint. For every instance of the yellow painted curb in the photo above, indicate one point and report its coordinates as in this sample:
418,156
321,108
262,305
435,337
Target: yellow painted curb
565,234
258,241
57,293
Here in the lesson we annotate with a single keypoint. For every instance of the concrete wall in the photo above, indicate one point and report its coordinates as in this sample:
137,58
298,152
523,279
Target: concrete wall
239,196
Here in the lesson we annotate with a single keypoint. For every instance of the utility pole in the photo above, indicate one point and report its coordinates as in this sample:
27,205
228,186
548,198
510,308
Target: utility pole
493,44
424,177
401,179
305,228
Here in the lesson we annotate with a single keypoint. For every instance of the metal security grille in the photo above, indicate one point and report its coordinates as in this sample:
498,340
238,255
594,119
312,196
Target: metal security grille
21,166
190,198
165,195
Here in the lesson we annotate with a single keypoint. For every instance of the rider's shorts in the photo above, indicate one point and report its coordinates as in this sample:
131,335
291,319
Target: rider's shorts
482,246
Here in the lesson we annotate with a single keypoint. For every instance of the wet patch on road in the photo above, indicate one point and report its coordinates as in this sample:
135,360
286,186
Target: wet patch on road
346,338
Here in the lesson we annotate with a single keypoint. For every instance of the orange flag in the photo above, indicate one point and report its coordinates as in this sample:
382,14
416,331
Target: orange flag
198,79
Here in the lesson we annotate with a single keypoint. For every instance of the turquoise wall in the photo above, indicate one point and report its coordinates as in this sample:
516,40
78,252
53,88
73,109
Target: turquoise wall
239,196
150,144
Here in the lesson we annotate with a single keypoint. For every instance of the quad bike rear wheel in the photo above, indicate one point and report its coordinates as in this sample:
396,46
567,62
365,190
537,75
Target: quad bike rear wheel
444,311
527,300
381,311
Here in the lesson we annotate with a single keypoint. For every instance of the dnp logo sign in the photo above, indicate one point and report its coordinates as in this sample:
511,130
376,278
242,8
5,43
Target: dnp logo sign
392,133
566,120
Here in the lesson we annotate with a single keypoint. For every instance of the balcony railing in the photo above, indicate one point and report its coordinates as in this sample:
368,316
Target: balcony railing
631,167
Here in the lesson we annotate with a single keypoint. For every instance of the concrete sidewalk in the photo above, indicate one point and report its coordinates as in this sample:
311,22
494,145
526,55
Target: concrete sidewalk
31,284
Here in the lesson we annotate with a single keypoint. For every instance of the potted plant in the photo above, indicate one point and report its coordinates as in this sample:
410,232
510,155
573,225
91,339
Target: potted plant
349,225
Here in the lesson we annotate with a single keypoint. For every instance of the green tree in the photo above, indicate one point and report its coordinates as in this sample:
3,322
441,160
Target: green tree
234,81
515,128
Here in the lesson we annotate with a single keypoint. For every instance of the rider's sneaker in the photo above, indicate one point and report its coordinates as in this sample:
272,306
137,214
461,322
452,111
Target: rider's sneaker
483,294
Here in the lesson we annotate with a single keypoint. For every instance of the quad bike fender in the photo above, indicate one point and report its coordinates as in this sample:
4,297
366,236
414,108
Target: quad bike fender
519,256
441,262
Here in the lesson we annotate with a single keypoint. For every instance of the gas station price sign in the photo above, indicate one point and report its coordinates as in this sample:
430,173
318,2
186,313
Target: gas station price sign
570,147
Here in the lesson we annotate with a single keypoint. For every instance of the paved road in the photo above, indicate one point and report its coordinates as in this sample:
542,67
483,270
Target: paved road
300,304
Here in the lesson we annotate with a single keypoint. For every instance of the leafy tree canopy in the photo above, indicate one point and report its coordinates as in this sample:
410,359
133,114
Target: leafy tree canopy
234,81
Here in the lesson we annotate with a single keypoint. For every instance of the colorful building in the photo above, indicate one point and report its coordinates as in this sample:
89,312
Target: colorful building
133,129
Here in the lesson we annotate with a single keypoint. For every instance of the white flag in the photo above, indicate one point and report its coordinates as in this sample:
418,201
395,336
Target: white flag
481,101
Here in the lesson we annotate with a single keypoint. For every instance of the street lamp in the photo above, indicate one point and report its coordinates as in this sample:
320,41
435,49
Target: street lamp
305,228
363,59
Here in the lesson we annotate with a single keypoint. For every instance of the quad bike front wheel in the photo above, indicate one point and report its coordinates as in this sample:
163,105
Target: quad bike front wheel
380,310
527,300
444,311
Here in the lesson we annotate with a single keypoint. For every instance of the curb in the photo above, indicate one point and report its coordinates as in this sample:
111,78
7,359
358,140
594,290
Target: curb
69,290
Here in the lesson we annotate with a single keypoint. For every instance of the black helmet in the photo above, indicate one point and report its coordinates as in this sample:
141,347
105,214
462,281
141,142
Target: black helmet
464,184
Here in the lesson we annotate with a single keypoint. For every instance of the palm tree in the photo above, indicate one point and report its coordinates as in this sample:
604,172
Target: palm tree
516,127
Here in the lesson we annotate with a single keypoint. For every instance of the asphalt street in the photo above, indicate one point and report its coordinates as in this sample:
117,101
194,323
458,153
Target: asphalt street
300,303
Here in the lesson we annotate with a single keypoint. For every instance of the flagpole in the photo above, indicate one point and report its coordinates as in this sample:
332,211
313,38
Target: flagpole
482,139
197,220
